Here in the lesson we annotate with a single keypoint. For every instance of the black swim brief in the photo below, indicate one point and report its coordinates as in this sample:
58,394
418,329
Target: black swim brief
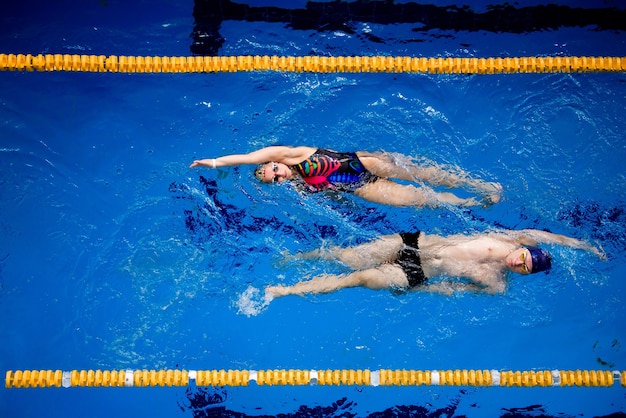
409,259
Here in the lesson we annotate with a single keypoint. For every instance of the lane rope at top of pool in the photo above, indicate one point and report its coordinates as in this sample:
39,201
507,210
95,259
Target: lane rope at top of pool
382,377
312,64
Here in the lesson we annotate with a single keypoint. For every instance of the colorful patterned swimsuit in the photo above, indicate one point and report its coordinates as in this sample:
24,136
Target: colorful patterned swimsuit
330,170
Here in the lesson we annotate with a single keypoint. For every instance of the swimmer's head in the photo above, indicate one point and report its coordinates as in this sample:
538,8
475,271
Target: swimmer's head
272,172
542,260
529,260
259,172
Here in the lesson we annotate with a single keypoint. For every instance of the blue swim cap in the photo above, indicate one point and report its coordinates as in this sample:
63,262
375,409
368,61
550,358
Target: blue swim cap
542,261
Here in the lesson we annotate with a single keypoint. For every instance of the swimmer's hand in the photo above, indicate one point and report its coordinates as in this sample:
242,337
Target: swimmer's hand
207,162
584,245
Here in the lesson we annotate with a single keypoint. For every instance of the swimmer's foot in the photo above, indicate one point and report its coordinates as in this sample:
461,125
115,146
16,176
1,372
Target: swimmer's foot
490,200
286,258
470,202
446,198
275,291
287,255
492,193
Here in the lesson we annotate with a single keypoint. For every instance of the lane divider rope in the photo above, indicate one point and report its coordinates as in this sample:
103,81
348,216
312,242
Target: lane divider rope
317,64
383,377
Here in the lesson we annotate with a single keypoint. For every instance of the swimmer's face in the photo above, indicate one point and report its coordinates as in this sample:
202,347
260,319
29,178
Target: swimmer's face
274,173
520,261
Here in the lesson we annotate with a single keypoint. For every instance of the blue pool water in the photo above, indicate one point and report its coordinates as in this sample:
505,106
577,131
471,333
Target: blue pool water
114,254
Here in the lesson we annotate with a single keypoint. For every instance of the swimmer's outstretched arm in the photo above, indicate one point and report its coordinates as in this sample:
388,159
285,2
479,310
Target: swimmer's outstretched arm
533,236
279,154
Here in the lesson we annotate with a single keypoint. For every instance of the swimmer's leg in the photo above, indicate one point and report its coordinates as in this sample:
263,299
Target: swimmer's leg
399,166
388,192
367,255
382,277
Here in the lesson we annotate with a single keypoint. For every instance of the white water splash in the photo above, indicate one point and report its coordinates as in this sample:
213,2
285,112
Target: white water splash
252,303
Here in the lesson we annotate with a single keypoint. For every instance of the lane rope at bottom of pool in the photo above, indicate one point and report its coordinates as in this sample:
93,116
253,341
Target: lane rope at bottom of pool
293,377
316,64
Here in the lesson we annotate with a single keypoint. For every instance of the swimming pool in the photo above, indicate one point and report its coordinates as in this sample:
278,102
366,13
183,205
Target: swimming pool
115,255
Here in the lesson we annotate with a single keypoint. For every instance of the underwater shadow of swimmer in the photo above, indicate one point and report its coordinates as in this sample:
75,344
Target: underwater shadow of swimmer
208,216
605,224
211,215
